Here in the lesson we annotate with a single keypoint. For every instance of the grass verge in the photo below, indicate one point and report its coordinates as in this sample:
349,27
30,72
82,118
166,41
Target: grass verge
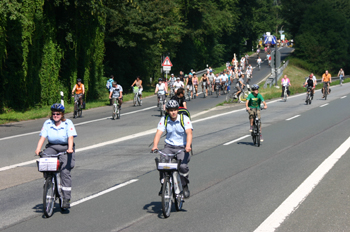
42,112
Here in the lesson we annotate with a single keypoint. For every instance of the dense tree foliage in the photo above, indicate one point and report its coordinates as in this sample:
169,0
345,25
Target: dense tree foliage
46,44
321,32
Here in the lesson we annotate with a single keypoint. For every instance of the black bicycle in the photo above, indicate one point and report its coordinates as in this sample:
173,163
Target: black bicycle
49,165
78,109
217,89
256,128
309,96
172,187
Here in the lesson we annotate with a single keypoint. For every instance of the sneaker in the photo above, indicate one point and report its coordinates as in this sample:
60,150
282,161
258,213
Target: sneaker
161,190
66,203
235,97
186,191
261,138
251,129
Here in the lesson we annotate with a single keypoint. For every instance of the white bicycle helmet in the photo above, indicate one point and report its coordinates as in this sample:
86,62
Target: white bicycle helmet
172,104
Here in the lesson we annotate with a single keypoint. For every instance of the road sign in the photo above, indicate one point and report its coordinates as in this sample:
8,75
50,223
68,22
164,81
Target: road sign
166,68
167,62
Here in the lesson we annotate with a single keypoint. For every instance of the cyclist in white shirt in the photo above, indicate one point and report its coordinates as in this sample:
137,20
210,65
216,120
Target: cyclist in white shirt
217,81
211,78
161,90
224,78
243,62
178,84
259,61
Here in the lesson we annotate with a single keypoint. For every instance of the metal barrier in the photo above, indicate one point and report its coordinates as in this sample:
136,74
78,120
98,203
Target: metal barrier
271,79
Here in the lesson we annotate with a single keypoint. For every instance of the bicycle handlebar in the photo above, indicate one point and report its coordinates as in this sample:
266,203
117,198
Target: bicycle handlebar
41,154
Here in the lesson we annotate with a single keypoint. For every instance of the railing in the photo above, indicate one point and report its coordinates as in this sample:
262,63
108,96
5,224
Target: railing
271,79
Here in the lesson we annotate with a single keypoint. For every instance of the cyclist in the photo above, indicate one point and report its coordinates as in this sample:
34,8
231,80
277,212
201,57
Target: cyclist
189,84
116,94
239,86
310,83
254,100
138,83
161,90
180,97
109,86
341,75
248,73
243,62
171,81
205,80
178,137
217,82
60,133
247,59
259,61
326,79
195,82
223,81
268,57
181,76
285,82
178,84
79,92
315,81
211,78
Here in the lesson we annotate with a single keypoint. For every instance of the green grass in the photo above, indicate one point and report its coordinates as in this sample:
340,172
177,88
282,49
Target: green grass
42,112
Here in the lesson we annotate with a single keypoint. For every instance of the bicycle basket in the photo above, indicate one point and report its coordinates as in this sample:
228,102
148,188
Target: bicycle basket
167,166
136,89
48,164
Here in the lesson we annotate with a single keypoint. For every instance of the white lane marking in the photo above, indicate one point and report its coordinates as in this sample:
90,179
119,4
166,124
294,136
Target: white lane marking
236,140
293,117
343,97
103,192
133,136
78,124
299,195
324,105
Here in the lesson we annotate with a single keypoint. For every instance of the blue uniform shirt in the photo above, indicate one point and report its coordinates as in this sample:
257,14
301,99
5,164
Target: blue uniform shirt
59,134
176,135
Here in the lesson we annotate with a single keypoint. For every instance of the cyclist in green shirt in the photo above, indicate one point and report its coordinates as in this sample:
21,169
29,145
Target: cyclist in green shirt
253,102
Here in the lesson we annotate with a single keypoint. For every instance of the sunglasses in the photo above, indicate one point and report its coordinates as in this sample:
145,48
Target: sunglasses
55,114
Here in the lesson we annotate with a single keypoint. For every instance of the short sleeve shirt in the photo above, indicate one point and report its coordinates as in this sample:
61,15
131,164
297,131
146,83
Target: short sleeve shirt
254,101
179,100
178,84
176,135
116,91
161,88
58,134
326,78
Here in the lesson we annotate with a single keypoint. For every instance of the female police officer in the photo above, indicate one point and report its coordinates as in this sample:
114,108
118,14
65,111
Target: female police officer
60,133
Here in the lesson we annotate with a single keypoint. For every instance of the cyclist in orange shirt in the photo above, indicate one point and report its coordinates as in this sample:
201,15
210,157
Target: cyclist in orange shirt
79,91
326,79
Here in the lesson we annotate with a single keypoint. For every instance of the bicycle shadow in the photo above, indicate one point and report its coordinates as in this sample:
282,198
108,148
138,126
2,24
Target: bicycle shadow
39,209
246,143
154,208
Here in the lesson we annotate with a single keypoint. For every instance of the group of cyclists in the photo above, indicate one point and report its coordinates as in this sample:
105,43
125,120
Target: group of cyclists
60,131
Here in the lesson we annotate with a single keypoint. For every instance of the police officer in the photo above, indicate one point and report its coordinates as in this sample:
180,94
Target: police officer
178,137
60,133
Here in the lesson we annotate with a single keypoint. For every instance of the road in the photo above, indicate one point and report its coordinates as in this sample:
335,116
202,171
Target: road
234,187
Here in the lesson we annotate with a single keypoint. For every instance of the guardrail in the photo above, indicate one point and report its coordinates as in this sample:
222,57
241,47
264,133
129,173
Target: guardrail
271,79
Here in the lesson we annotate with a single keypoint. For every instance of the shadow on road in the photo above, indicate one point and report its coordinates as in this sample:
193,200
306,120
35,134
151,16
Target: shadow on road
246,143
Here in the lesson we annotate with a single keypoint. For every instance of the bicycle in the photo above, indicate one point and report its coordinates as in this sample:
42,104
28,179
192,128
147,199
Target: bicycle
308,96
217,89
194,92
172,186
259,64
172,91
50,167
189,90
136,96
244,94
285,95
116,109
204,85
210,92
325,92
78,109
256,128
161,105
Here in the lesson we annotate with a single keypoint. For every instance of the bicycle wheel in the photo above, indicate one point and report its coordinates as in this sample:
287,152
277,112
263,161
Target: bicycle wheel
243,96
135,99
75,110
49,196
217,92
257,134
118,113
80,112
178,199
325,93
166,197
254,138
114,114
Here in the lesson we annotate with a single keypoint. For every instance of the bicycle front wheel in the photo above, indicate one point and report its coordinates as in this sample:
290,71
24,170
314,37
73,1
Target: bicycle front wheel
80,112
49,196
114,115
134,100
166,197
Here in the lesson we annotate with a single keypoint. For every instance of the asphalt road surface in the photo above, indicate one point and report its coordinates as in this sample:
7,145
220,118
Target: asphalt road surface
296,181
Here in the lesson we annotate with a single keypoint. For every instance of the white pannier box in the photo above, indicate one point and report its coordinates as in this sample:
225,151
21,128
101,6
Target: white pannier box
167,166
48,164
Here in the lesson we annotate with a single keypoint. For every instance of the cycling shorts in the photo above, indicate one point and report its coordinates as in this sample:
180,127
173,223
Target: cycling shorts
189,87
161,97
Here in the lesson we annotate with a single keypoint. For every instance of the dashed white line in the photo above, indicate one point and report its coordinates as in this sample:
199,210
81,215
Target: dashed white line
103,192
343,97
324,105
236,140
299,195
293,117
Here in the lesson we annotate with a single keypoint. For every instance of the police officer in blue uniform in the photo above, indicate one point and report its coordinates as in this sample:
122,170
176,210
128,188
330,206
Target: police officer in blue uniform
60,133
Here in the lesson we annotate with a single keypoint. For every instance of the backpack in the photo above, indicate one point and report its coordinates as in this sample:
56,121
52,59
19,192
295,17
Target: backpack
181,121
108,84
